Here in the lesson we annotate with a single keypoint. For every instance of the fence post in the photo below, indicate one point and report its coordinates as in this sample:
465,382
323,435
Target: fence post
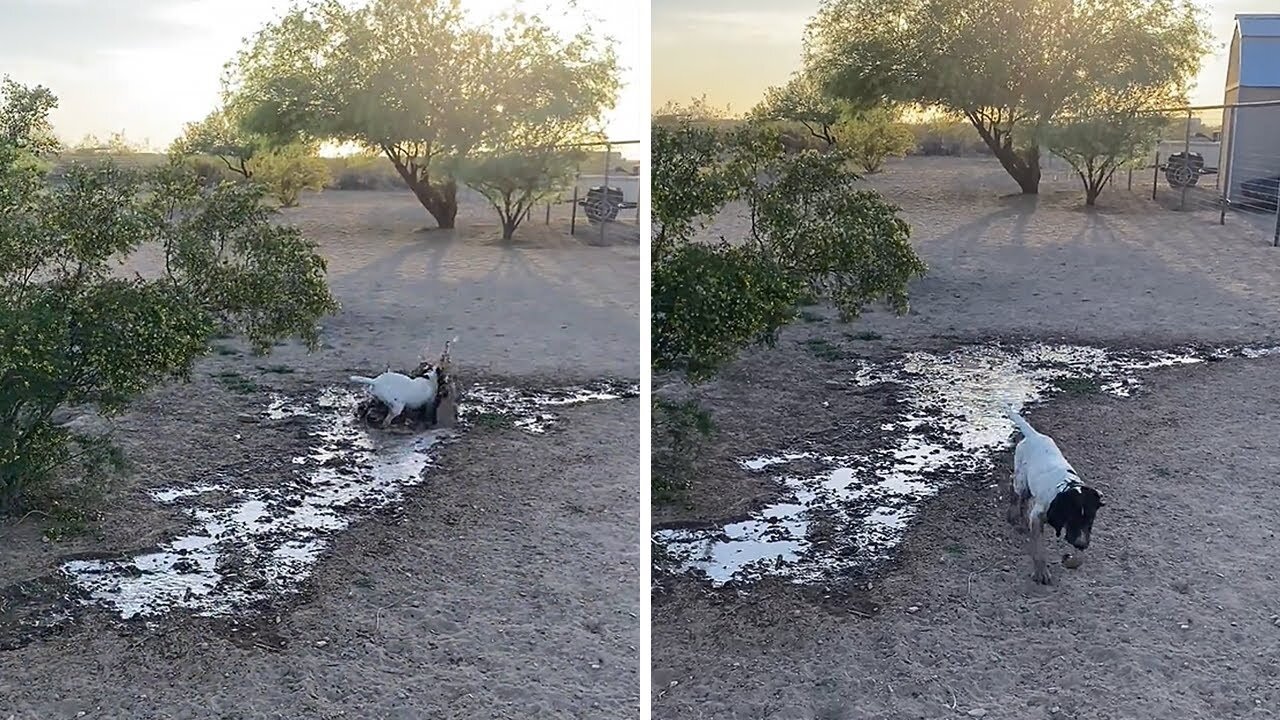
604,221
1131,178
1222,209
1275,239
1186,158
573,217
1155,177
548,220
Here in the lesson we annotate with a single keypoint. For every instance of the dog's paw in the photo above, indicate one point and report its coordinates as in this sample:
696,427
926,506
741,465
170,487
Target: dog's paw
1042,576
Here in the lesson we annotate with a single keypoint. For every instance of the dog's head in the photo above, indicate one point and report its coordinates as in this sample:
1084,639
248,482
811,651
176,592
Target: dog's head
1073,511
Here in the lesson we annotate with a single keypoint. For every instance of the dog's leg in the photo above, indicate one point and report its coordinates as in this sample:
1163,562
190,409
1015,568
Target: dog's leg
1040,564
1013,512
393,412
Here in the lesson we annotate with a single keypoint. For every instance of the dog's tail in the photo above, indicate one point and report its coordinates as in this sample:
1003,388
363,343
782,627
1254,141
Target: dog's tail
361,379
1020,422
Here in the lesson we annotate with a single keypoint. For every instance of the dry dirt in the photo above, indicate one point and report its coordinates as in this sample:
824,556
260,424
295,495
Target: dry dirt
504,587
1173,615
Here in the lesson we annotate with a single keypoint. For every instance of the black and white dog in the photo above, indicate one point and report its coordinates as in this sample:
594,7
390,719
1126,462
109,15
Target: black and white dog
1046,489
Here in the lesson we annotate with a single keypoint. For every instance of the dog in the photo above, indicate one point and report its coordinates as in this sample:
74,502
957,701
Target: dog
1046,489
400,392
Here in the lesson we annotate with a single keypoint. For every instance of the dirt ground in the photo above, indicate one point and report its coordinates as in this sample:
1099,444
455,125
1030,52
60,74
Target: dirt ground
505,586
1173,615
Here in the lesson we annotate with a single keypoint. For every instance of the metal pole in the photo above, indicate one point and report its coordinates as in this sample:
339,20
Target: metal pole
1275,239
1222,209
1155,177
548,220
1130,178
604,221
573,218
1186,158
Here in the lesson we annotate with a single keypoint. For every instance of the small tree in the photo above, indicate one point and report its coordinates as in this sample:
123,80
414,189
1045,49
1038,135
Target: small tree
514,183
75,333
220,135
803,100
1096,148
872,136
813,230
289,170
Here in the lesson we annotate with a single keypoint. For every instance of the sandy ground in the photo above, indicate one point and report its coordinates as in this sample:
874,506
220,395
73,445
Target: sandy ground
1174,613
505,587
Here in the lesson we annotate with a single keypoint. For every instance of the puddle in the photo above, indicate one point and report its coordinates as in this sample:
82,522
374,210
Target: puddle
527,409
854,509
247,547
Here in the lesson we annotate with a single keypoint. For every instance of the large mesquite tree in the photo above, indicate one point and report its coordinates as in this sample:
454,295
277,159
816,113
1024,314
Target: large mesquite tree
1008,68
417,81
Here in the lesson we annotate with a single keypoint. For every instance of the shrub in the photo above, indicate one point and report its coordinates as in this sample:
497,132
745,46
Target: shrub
680,431
287,171
75,334
813,234
871,138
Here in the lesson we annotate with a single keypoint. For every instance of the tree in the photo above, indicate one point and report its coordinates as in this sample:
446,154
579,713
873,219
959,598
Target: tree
219,134
813,230
289,170
416,81
872,136
1095,148
802,99
699,110
513,183
75,333
1008,68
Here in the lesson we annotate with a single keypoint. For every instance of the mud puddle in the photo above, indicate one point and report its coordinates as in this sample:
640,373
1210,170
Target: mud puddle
851,512
249,547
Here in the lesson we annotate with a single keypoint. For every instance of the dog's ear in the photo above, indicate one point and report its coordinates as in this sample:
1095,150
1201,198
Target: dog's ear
1064,506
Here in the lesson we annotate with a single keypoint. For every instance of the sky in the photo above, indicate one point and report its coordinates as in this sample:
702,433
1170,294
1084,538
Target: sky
732,50
146,67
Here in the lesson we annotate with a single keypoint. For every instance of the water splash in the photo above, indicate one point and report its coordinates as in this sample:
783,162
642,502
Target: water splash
855,507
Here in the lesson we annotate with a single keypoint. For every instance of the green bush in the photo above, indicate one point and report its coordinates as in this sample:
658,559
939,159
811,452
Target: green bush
680,431
872,137
75,334
289,170
813,235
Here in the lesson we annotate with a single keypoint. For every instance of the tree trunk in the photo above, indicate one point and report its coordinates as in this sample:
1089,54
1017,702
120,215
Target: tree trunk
509,228
440,200
1024,167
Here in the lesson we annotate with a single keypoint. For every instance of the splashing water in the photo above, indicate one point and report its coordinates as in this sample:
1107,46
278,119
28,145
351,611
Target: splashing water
853,510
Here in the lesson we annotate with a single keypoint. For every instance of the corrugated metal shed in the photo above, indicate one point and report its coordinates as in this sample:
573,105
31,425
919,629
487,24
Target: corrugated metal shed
1258,48
1251,135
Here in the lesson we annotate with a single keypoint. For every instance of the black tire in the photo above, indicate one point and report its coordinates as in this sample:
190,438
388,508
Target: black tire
1181,175
602,205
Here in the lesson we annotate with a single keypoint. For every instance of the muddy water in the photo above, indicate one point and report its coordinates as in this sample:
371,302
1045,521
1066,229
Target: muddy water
247,546
855,508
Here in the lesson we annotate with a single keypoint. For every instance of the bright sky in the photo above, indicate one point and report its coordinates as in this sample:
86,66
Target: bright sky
731,50
146,67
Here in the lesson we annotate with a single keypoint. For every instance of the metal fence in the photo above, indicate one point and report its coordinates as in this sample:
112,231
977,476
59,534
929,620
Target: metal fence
1235,168
1219,159
605,193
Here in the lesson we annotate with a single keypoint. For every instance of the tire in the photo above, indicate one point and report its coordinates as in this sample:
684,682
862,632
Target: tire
1181,175
601,205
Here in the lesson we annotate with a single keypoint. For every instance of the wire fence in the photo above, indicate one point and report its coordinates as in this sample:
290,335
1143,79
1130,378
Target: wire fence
1222,160
605,192
1232,169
